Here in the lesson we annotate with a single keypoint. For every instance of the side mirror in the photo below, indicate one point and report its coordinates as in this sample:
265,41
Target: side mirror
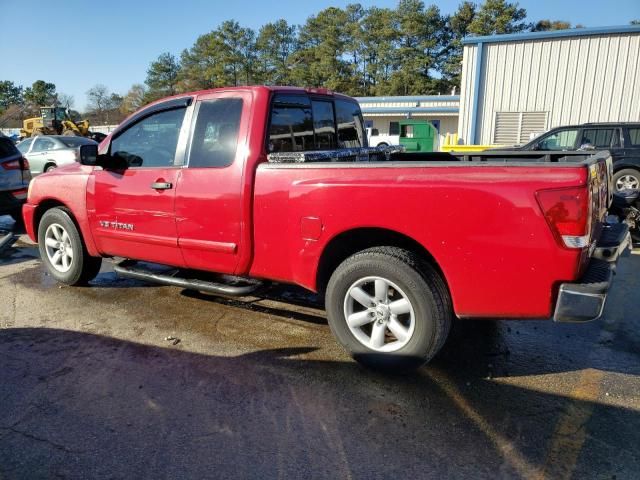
89,154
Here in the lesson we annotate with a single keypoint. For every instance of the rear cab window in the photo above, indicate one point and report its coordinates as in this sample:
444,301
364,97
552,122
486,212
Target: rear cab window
215,136
299,123
350,125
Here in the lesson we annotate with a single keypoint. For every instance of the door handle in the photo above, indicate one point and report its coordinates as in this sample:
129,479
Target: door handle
161,185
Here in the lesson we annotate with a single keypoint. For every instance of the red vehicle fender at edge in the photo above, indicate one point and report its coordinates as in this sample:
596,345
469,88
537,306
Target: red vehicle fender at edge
70,181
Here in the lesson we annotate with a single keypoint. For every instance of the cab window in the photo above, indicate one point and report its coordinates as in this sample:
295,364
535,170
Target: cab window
597,137
350,125
151,142
562,140
324,126
215,136
291,128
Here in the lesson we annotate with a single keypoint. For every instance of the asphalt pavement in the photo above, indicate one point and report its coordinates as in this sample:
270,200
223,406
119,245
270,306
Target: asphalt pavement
125,380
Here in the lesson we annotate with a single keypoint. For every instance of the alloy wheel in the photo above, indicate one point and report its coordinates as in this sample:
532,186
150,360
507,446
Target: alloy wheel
379,314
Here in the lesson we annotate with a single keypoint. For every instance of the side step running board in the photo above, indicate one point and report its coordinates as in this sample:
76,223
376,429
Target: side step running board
130,269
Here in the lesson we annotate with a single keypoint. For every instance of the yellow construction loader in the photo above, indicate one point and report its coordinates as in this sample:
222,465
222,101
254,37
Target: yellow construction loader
54,121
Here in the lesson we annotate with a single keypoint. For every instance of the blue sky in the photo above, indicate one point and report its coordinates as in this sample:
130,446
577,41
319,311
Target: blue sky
77,44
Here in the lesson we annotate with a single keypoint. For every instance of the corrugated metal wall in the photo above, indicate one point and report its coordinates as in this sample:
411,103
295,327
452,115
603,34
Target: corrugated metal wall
573,79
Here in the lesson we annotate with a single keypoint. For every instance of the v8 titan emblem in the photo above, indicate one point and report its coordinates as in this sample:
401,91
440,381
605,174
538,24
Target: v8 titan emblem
116,225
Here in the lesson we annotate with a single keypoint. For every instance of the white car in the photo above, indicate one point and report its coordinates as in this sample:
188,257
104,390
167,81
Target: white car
46,152
377,140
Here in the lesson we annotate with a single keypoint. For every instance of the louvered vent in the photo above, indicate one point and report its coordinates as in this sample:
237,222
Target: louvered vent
517,128
507,128
533,124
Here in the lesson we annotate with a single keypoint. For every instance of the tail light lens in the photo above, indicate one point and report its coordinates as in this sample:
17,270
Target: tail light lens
568,213
12,165
21,164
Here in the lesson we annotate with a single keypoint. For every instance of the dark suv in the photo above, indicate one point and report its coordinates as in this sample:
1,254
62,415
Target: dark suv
621,139
14,179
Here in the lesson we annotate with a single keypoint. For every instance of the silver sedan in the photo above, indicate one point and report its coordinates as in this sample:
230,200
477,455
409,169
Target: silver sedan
46,152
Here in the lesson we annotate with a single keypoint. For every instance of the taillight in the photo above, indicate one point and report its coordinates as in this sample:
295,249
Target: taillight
568,213
21,164
11,165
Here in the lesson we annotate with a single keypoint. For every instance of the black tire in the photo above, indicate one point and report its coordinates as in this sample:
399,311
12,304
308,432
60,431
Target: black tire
630,173
82,267
418,281
49,167
383,144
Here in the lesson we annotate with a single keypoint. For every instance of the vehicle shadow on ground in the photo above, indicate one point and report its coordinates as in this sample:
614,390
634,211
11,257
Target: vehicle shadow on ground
482,349
12,254
78,405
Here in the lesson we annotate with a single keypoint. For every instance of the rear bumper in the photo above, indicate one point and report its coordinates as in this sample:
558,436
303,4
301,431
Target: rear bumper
585,300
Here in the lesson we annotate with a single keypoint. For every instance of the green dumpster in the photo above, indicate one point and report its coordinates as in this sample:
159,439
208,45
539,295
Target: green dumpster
417,135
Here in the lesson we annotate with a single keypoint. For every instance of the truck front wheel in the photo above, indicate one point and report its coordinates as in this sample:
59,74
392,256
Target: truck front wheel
63,251
388,308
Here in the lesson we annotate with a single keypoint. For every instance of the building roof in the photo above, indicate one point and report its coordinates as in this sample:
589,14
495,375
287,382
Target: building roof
573,32
414,98
404,110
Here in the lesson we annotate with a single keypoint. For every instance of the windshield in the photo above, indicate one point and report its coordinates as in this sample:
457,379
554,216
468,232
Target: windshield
75,141
24,145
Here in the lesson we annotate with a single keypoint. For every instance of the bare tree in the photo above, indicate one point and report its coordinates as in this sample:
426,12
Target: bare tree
98,98
102,104
134,99
66,101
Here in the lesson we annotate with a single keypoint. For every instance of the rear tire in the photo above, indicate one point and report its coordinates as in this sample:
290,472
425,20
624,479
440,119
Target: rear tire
402,314
627,178
49,167
63,251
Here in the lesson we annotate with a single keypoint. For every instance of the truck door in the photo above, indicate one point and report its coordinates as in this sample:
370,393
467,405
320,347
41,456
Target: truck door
213,198
132,208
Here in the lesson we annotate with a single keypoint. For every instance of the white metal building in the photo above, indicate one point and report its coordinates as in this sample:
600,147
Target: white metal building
384,113
515,86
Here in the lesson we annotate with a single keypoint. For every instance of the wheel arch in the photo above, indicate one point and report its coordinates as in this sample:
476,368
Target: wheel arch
349,242
47,164
49,203
626,162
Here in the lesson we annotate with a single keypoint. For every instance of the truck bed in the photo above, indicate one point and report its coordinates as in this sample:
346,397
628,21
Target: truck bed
397,154
479,220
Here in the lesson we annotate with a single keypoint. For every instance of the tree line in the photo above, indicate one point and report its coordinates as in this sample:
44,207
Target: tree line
18,103
412,49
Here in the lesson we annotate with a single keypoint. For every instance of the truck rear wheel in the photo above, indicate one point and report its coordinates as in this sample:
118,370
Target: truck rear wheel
63,251
388,308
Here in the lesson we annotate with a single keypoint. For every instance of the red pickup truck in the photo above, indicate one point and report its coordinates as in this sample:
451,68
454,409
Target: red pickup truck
231,187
